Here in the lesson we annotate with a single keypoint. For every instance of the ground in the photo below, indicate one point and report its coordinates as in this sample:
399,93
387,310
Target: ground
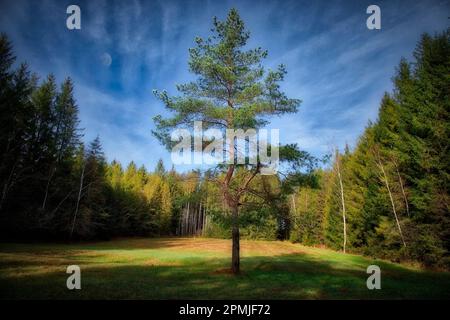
189,268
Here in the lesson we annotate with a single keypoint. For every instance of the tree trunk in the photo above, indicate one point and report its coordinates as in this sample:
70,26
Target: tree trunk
186,221
47,187
342,200
4,193
403,190
293,204
205,223
235,256
392,202
197,223
78,200
6,186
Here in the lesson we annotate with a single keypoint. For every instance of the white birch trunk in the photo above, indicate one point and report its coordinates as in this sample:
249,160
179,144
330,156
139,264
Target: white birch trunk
342,200
403,191
78,200
380,165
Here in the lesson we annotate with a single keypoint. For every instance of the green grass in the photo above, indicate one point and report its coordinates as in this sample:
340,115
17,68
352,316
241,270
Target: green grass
174,268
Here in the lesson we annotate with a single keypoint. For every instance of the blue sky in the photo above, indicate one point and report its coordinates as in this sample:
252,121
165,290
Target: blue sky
338,67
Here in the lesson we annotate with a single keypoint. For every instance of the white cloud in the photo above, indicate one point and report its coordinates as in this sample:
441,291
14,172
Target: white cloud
336,66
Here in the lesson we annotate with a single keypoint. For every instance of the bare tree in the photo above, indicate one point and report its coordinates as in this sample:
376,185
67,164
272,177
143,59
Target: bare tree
341,187
400,180
384,178
78,198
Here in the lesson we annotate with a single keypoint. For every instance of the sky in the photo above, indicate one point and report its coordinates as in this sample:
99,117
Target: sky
337,66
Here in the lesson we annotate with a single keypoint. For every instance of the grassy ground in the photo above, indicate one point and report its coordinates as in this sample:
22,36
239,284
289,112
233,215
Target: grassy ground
174,268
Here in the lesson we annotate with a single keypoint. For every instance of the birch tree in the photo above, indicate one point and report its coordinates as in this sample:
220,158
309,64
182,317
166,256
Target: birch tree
341,189
385,180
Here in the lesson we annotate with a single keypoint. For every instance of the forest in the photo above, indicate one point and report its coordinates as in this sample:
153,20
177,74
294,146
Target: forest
387,197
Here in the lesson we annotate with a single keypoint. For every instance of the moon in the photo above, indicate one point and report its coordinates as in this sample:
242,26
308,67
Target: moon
106,59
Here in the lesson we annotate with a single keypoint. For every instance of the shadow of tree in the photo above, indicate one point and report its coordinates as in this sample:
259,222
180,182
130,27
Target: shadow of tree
291,276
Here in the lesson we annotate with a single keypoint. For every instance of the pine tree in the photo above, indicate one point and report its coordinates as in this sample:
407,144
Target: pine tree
15,116
232,92
160,169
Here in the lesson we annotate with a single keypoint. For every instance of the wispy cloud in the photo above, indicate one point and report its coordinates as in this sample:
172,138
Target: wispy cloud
338,67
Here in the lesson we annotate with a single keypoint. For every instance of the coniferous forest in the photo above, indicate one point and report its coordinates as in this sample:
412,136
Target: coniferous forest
387,197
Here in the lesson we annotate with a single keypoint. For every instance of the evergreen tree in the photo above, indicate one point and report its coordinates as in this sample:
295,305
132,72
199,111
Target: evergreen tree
232,92
16,87
160,169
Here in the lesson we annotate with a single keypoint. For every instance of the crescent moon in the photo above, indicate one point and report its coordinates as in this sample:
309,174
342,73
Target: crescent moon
106,59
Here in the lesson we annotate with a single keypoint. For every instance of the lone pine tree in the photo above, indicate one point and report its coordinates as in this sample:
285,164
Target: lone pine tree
232,91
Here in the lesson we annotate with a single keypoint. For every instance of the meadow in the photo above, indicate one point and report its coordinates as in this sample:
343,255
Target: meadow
198,268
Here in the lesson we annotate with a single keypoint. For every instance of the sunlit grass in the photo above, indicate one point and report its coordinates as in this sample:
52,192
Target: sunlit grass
174,268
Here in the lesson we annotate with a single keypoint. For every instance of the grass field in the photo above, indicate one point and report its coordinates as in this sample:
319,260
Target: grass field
181,268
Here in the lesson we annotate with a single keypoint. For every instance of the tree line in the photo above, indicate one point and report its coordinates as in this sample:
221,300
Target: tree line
389,196
54,186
